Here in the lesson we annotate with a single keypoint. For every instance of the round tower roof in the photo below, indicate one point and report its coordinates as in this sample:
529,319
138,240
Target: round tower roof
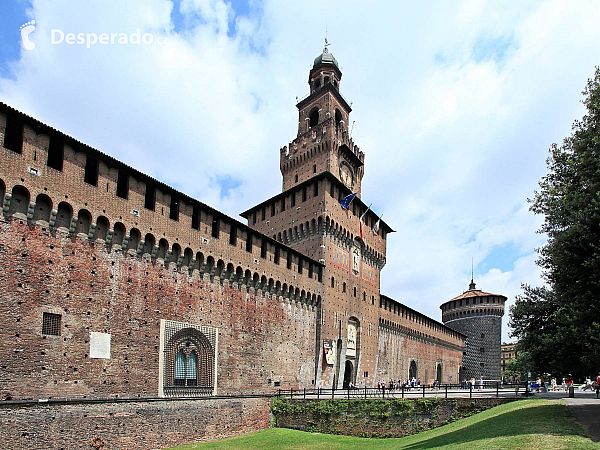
325,58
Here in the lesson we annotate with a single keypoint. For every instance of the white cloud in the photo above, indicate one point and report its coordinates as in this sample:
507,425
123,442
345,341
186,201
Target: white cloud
455,103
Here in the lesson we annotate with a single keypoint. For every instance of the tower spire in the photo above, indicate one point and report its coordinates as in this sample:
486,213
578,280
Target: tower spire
327,44
472,284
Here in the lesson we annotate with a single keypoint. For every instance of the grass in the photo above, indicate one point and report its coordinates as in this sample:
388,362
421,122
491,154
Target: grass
526,425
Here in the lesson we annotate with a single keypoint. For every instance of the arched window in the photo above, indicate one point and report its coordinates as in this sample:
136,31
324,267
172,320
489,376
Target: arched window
189,365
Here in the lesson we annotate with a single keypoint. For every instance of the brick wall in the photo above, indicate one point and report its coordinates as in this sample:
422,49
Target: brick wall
128,425
262,338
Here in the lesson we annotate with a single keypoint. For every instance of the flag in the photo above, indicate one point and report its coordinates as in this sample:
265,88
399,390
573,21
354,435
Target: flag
376,226
361,220
347,200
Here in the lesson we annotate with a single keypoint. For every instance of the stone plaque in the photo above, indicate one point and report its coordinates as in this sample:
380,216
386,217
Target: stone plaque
99,345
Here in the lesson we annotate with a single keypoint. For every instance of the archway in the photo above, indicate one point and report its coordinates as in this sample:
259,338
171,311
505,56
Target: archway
412,371
348,374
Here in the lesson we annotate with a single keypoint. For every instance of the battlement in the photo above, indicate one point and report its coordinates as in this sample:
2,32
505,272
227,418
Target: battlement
51,180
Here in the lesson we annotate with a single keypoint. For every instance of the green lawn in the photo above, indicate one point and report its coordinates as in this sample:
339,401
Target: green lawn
526,425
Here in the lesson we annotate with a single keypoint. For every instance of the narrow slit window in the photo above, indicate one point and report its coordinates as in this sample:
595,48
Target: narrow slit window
55,154
196,218
215,227
150,198
122,184
91,171
233,235
13,136
249,242
174,209
263,249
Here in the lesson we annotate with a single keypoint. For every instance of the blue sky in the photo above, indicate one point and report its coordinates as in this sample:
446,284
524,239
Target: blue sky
455,105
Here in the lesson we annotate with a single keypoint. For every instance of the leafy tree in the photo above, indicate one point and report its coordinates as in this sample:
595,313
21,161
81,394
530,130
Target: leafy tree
519,366
560,325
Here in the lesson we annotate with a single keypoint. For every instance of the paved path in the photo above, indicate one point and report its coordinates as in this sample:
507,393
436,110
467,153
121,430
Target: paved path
587,412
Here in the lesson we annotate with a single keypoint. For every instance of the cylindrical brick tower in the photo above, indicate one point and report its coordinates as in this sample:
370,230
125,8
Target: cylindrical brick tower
477,315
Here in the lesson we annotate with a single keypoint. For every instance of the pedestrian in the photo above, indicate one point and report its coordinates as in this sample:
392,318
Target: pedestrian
598,385
481,383
517,385
553,383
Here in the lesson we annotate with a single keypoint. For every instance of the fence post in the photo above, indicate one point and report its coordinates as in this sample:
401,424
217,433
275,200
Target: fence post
497,389
470,390
527,388
291,393
348,393
446,391
305,393
382,391
423,391
318,393
279,393
333,391
402,390
365,391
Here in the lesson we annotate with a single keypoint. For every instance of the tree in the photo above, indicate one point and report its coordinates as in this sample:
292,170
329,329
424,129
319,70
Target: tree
560,325
518,366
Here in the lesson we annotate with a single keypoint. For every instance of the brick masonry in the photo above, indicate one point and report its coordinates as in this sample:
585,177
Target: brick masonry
129,425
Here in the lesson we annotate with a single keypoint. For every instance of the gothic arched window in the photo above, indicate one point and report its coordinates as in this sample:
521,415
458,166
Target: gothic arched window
189,361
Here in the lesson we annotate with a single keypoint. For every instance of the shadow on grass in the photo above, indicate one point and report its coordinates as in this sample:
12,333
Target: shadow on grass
531,419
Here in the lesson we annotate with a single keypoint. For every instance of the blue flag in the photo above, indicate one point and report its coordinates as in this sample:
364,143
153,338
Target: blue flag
347,200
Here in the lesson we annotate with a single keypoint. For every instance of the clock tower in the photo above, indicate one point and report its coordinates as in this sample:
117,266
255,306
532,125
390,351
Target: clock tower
320,167
323,142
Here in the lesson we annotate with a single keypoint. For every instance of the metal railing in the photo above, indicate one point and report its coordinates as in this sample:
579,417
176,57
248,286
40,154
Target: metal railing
468,390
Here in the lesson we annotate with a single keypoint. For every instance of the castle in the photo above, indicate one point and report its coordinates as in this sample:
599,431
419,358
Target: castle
114,284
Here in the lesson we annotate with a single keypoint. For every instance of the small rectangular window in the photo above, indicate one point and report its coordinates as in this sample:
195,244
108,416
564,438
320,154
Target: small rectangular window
249,242
300,265
316,192
13,136
51,324
215,227
310,270
332,190
91,171
150,198
254,218
304,194
283,204
196,218
293,199
289,260
122,184
55,154
233,235
174,209
272,209
262,214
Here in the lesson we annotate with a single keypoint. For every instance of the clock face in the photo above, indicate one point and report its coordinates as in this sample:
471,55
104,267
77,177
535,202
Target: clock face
346,174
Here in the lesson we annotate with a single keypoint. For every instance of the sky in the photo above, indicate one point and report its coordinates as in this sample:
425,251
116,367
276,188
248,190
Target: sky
455,105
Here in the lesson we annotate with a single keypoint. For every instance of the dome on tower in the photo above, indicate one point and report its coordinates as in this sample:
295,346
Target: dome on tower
325,58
